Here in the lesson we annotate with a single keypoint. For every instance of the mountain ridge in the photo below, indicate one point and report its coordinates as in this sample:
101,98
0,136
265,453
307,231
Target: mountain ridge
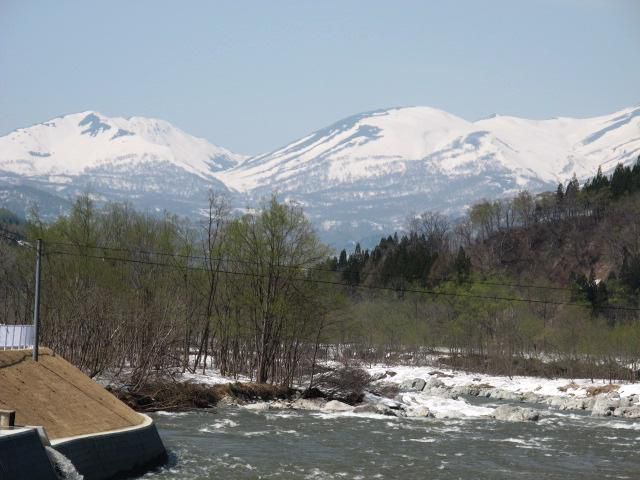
360,175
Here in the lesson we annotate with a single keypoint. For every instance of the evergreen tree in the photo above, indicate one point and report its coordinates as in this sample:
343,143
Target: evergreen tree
573,188
559,194
635,174
597,183
342,261
621,181
630,271
462,265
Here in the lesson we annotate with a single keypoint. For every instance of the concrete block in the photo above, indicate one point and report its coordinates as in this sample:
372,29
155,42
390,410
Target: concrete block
115,454
7,418
23,457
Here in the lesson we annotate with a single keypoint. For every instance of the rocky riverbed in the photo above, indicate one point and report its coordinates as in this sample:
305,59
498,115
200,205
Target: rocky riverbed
336,442
598,397
447,394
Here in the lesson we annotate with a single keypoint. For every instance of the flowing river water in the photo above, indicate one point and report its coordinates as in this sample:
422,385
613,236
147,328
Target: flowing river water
236,443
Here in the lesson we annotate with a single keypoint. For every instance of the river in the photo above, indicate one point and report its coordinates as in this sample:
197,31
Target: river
235,443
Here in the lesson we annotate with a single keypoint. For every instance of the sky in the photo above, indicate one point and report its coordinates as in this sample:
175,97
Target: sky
252,76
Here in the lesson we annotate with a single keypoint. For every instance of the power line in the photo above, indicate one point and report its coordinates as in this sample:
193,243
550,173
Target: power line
8,235
341,284
294,267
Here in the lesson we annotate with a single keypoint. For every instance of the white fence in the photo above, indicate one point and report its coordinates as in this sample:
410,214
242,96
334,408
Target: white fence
16,336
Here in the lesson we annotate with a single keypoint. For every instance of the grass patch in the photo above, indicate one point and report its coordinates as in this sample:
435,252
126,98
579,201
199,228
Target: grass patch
593,391
569,386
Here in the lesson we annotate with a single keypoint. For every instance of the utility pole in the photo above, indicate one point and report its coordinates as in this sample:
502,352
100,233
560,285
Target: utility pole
36,306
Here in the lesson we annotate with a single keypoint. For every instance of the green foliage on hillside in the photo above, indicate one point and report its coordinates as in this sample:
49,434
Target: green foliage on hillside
553,277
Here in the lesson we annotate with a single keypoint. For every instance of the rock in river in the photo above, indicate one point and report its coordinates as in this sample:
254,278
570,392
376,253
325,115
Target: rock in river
508,413
416,385
628,412
337,406
605,405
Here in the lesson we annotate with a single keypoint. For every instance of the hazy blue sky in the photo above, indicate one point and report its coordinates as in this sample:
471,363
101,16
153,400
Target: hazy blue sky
252,76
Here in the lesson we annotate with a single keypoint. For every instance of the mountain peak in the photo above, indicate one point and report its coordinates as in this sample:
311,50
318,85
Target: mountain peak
362,173
81,142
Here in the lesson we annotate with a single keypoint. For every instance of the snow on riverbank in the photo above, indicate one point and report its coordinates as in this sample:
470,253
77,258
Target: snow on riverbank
212,377
444,393
560,387
441,407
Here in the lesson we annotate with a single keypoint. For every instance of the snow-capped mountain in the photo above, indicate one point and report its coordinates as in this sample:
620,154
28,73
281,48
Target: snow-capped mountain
367,172
147,161
359,177
81,142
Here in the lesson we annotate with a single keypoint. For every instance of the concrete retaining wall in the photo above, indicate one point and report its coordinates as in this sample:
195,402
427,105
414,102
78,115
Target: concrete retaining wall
22,457
116,454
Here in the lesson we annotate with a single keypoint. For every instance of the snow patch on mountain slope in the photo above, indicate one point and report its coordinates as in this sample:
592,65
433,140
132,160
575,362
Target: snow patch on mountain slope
355,178
555,149
79,142
373,144
383,143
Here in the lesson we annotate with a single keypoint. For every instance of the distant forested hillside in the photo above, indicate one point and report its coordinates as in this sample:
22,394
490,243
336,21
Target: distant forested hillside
546,284
567,238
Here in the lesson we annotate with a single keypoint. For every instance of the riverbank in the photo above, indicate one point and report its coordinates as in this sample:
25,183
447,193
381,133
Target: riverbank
402,391
179,396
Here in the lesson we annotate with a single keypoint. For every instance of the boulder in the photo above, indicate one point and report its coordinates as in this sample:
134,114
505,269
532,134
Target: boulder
589,402
308,404
337,406
465,390
627,412
420,411
258,407
392,412
415,385
378,409
604,405
392,404
367,408
280,404
434,383
531,397
569,403
435,386
470,390
378,376
500,394
508,413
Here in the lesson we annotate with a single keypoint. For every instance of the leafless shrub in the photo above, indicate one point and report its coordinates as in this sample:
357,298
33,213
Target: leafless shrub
346,384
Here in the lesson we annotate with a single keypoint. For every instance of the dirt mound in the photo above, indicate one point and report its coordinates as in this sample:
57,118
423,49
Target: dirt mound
55,394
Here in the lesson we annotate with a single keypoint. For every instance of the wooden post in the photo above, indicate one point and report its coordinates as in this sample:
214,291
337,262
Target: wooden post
36,306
